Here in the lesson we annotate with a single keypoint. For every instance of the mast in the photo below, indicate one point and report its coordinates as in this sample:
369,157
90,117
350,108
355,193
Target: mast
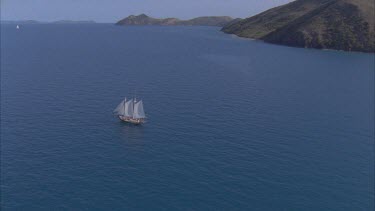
138,110
128,112
134,101
124,106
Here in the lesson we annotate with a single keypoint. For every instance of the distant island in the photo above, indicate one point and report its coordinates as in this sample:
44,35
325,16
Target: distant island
19,22
324,24
72,22
200,21
39,22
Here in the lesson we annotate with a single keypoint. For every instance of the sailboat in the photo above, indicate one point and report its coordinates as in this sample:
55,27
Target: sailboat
131,111
17,27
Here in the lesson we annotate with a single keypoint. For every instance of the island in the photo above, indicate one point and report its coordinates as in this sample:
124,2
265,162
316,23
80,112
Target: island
324,24
19,22
199,21
73,22
44,22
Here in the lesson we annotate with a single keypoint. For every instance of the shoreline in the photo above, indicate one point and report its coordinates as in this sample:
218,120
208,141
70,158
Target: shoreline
321,49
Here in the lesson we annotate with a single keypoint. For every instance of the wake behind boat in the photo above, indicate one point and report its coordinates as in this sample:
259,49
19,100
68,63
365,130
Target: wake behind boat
131,111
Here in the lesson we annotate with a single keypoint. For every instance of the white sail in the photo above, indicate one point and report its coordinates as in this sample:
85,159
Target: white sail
120,109
138,110
128,112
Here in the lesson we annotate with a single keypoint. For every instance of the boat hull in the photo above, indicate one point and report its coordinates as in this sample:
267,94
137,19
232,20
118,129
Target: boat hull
131,120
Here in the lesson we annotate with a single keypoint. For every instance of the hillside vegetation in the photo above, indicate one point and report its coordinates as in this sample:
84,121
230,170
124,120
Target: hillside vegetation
329,24
200,21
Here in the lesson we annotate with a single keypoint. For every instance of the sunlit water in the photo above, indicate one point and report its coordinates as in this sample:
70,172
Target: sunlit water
233,124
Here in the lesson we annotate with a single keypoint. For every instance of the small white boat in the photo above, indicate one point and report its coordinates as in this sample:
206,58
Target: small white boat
17,27
131,111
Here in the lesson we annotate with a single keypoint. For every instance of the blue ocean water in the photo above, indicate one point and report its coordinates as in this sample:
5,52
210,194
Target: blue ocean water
233,124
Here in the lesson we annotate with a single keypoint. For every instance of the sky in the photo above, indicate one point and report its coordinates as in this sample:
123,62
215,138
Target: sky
109,11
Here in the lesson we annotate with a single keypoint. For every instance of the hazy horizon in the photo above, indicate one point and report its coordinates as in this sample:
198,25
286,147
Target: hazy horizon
113,10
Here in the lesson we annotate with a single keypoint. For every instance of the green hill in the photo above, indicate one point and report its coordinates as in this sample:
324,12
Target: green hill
329,24
200,21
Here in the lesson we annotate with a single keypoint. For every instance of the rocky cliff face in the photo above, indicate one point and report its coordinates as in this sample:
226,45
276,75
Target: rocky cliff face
329,24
